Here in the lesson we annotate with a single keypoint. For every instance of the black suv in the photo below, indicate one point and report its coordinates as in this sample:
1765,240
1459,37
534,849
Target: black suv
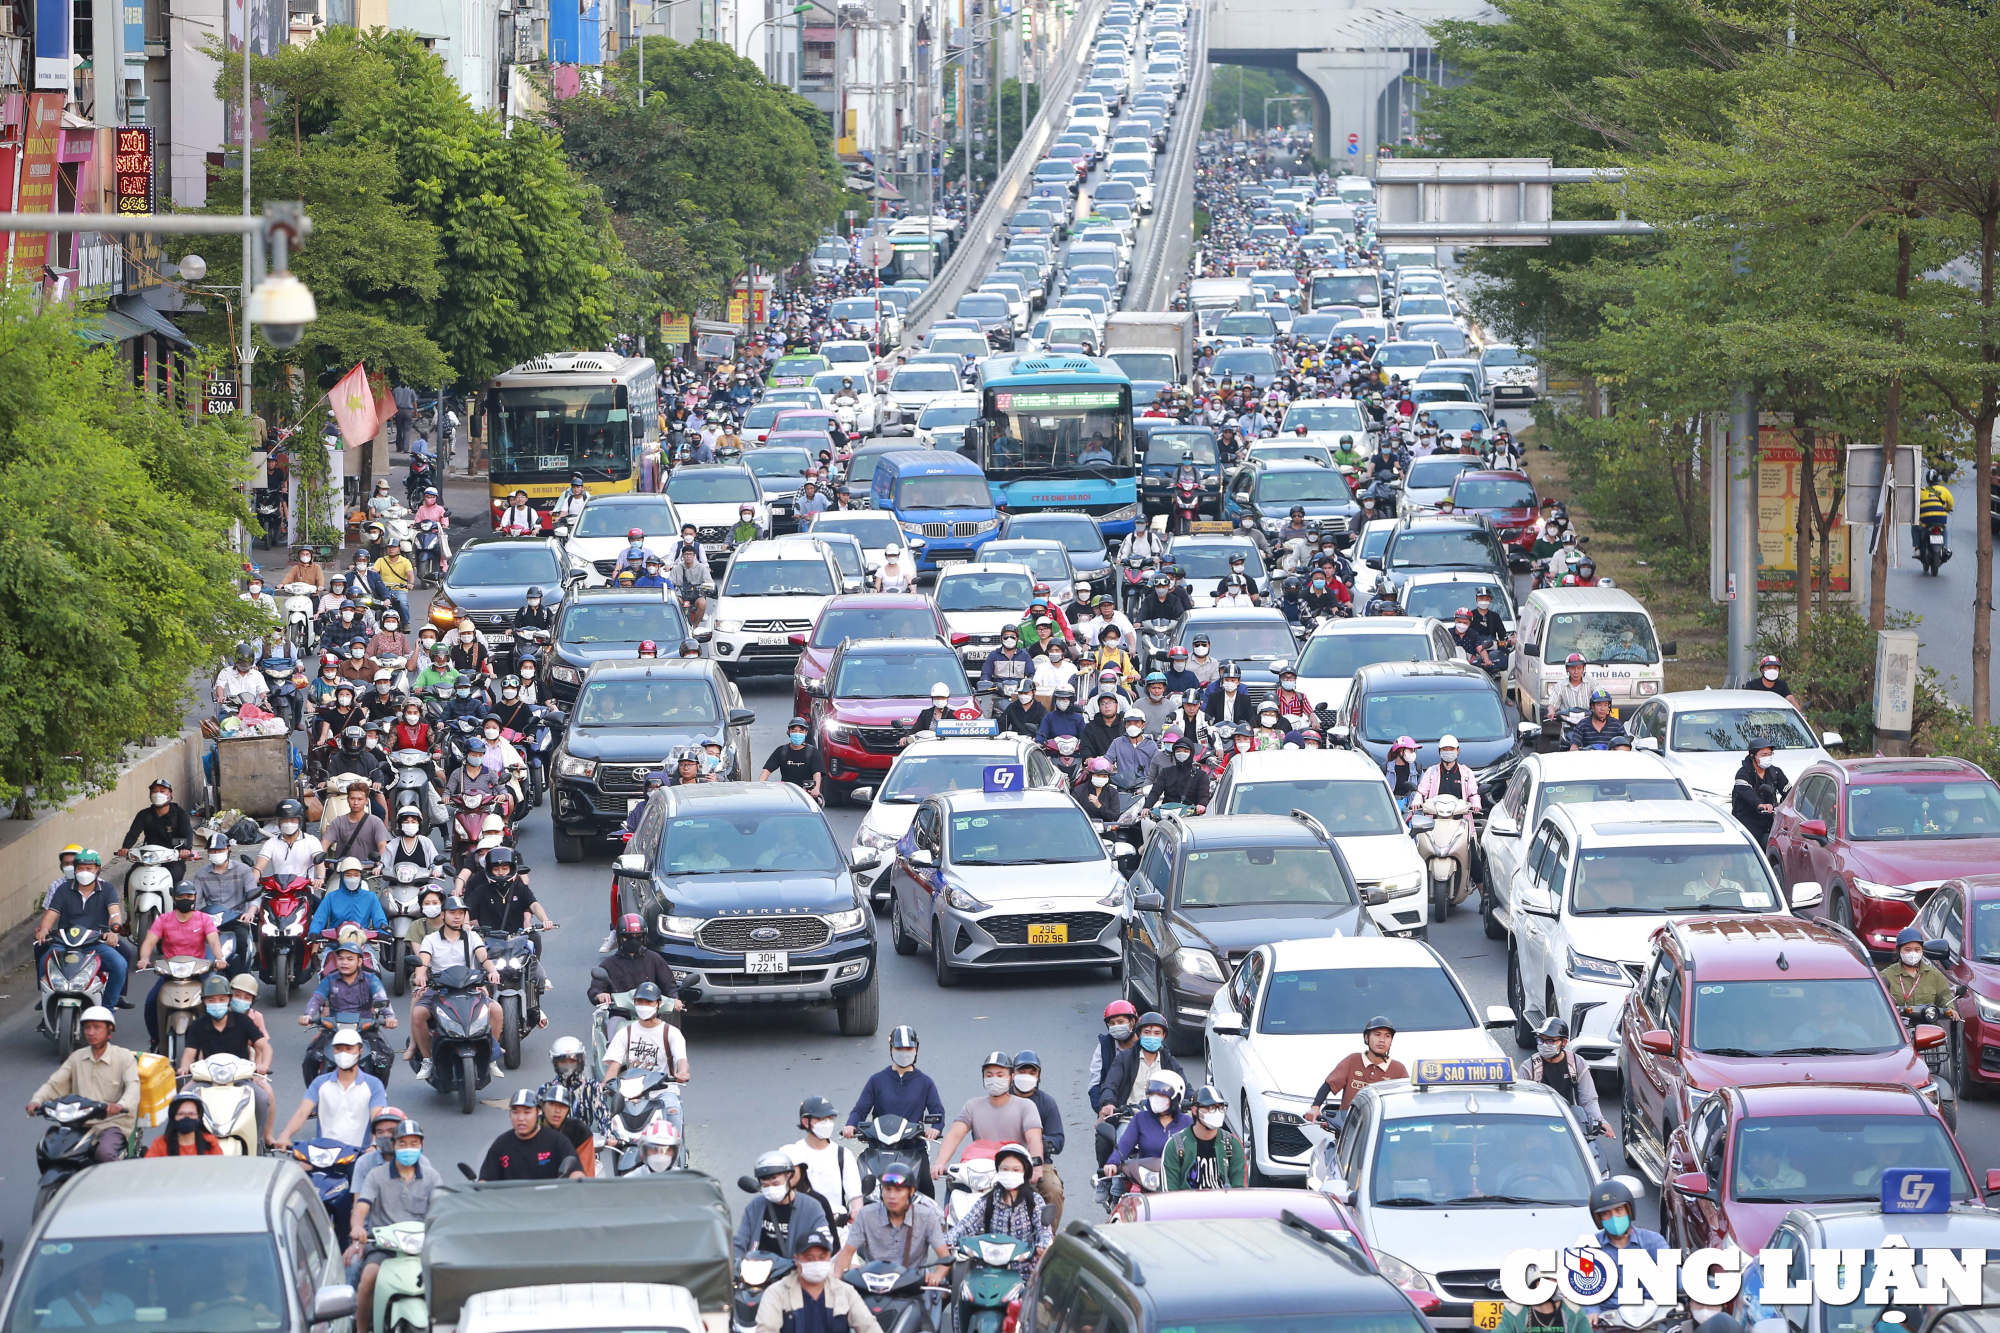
1209,890
1427,700
1219,1272
746,893
630,716
1424,542
607,624
1269,489
488,582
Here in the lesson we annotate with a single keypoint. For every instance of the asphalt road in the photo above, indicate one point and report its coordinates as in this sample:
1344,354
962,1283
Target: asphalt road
1943,604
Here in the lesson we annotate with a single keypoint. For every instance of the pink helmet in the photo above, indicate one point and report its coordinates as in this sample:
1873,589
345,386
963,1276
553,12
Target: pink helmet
1403,743
1100,765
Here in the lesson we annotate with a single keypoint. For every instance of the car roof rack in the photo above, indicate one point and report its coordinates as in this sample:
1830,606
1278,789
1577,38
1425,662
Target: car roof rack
1342,1242
1098,1241
1318,829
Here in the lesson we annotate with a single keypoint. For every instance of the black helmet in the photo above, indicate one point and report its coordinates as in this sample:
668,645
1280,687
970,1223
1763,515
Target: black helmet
218,841
1027,1060
1608,1194
690,648
1206,1095
1001,1059
1150,1019
1553,1029
816,1108
534,592
290,809
1378,1021
647,992
351,738
214,985
500,856
902,1037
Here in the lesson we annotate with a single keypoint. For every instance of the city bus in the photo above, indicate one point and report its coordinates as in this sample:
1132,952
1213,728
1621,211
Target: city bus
567,414
1056,437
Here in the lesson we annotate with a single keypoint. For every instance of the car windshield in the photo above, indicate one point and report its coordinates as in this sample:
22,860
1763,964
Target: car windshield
1249,323
929,379
1210,560
1723,730
875,531
1314,326
1236,362
1841,1016
1346,289
849,353
789,464
761,415
1341,655
778,842
852,307
1643,881
832,381
779,578
481,566
677,702
1322,484
1506,356
1265,642
174,1283
1232,877
1605,789
1076,533
874,622
1374,539
1173,446
1425,715
1406,354
944,492
981,590
1048,562
1795,1159
1327,417
1903,811
899,675
1439,472
860,469
1146,365
1452,418
916,776
1042,835
623,622
698,486
1322,1002
1442,600
1422,305
1418,549
1466,1160
1624,637
614,520
968,345
1494,493
947,414
1346,807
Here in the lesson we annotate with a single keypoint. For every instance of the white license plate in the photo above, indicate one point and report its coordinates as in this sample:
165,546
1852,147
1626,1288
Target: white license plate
773,640
977,654
1937,539
768,961
950,559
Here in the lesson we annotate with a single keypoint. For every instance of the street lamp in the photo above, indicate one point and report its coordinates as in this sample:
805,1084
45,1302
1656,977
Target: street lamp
792,12
1290,97
639,32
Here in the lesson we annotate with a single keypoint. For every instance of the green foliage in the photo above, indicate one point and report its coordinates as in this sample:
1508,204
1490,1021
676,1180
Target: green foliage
1010,109
115,569
1234,88
1833,673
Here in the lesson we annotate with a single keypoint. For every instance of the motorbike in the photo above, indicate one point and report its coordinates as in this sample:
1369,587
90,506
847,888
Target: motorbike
430,553
967,1179
71,980
1556,726
894,1141
149,887
286,686
1136,1176
402,887
401,1304
989,1296
898,1297
422,473
375,1056
67,1146
301,621
1184,508
268,502
329,1164
531,645
1942,1058
469,818
1932,551
282,947
1157,635
461,1035
179,1001
1444,840
520,987
640,1098
755,1273
228,1107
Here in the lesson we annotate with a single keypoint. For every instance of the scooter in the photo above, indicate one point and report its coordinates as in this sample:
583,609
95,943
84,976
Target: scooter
641,1098
755,1272
898,1297
301,628
967,1179
894,1141
401,891
1185,506
375,1056
520,987
329,1164
461,1035
989,1295
1136,1176
1932,551
1444,840
282,947
149,887
430,553
285,684
401,1304
71,980
228,1106
67,1148
179,1001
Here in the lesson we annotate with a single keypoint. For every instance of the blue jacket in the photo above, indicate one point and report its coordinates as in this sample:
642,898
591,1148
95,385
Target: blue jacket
909,1093
1062,722
1180,682
361,907
1052,1125
1648,1242
1146,1137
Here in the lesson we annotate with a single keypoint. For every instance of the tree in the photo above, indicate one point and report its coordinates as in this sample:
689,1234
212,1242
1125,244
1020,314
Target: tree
1243,88
115,567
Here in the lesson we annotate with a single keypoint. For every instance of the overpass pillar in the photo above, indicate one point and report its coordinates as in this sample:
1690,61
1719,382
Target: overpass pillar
1350,86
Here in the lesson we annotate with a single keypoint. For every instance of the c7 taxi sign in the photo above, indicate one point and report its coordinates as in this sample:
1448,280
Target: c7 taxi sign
1588,1274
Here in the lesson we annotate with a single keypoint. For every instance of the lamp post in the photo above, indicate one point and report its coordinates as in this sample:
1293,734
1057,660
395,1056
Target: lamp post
639,33
791,12
1291,97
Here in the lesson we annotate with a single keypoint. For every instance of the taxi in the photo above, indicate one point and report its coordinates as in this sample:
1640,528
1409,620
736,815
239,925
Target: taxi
1450,1171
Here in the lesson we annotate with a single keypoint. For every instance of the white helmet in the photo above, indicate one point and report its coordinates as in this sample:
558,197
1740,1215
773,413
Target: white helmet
97,1013
660,1142
1448,742
566,1048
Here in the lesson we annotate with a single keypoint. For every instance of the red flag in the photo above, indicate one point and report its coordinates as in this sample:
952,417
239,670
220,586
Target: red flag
354,407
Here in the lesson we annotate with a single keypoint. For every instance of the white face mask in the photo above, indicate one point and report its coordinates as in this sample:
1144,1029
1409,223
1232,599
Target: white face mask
86,876
1447,757
1912,957
1770,673
346,1059
288,827
997,1085
161,798
775,1193
1026,1083
412,830
1229,687
1158,1104
822,1129
1009,1180
492,733
816,1270
1213,1119
1098,779
646,1012
433,910
1201,650
218,858
659,1159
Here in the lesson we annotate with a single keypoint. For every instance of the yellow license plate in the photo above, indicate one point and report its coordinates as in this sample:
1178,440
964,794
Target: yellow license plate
1047,933
1486,1314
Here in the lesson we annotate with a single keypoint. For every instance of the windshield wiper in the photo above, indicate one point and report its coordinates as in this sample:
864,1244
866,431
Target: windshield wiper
1404,1201
900,800
1507,1198
1817,1050
1730,1050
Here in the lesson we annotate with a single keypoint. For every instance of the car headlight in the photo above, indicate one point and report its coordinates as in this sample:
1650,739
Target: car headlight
986,527
1402,1274
842,922
1120,515
1649,687
916,528
1893,892
1989,1010
1585,968
875,839
1199,962
729,626
568,675
959,900
837,731
571,767
680,927
813,682
1399,885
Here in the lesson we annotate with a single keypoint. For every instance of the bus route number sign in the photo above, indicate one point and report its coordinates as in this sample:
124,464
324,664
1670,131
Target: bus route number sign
1039,401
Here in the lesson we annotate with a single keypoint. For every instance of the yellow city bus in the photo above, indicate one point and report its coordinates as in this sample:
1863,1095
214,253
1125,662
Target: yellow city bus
569,414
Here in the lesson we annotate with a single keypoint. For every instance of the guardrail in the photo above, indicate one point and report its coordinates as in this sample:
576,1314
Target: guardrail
987,228
1171,241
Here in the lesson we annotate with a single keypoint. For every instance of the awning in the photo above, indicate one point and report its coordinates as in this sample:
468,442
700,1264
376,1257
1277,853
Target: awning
109,327
136,309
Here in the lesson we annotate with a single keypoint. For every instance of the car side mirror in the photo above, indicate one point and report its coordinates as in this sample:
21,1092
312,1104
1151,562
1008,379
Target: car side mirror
1502,825
1527,731
1649,744
1231,1025
862,795
923,856
1670,649
1531,650
1422,823
333,1302
815,689
742,717
1938,951
796,640
1831,740
1499,1016
1692,1182
631,863
1813,828
1808,893
1925,1036
863,858
1659,1041
1535,901
1149,902
1243,497
575,576
1993,1180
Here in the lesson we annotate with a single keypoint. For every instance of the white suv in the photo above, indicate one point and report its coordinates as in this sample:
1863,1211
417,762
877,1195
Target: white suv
772,590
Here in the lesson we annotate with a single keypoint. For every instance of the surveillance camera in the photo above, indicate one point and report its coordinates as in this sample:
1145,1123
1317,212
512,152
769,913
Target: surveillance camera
282,306
193,268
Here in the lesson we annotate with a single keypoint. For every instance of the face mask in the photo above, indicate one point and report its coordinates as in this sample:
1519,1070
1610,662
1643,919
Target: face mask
1158,1104
218,859
1009,1180
1229,687
1098,779
1617,1226
183,904
161,798
796,737
346,1059
816,1270
408,1156
997,1085
217,1009
1213,1119
902,1059
527,671
1770,673
1150,1042
775,1193
1135,731
822,1129
1025,1083
1243,745
509,693
412,830
187,1124
288,827
1009,644
1912,957
1548,1050
1201,650
433,910
351,882
69,872
87,876
306,559
238,1004
492,733
1182,756
1062,705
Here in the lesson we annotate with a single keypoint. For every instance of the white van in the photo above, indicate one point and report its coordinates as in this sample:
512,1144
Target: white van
1621,653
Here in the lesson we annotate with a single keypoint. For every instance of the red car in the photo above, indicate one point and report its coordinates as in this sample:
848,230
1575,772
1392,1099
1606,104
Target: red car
1880,835
1965,915
1507,499
1737,1000
862,615
1750,1155
866,705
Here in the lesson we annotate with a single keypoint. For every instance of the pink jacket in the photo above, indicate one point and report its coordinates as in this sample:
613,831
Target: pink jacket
1427,785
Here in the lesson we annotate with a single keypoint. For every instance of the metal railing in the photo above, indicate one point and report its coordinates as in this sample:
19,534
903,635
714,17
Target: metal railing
1171,240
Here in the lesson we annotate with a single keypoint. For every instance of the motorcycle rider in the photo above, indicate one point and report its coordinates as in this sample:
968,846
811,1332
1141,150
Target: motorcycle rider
1125,1078
344,1098
359,831
225,1030
780,1210
632,965
1770,679
1934,506
1478,649
163,823
349,902
1912,981
1099,798
648,1042
1487,622
897,1227
586,1097
103,1073
1615,1215
1132,754
1163,600
223,884
397,1189
241,682
1205,1155
1009,1208
1182,781
1370,1064
1010,661
1598,727
534,615
1120,1034
1226,700
807,1299
998,1115
831,1171
1146,1134
450,946
692,583
556,1105
1155,705
1182,683
901,1089
184,932
528,1149
1028,1084
1062,719
87,900
184,1135
349,989
1573,695
1022,713
1555,1064
1324,596
1449,777
571,502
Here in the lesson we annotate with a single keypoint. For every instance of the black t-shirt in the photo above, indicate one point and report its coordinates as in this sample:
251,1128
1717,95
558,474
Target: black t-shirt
340,719
774,1235
1780,687
540,1157
237,1035
576,1132
498,905
798,765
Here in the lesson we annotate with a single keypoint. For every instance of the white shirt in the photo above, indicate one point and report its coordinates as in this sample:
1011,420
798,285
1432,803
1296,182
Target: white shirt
1092,626
295,859
833,1174
343,1111
1051,675
570,505
638,1046
240,686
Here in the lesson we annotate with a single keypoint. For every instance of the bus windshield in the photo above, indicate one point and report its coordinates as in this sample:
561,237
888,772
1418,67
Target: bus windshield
556,432
1061,430
1346,288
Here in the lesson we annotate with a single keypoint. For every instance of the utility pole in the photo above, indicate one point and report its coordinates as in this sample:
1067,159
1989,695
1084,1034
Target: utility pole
251,250
1743,552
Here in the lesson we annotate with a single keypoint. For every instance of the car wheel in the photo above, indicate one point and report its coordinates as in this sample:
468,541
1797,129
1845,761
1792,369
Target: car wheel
1963,1081
1490,922
947,975
1258,1179
1517,998
1841,910
899,930
858,1012
569,849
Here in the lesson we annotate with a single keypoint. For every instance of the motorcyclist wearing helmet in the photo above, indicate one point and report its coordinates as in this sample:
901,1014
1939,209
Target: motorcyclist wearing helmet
241,682
1028,1084
1125,1078
631,965
528,1149
897,1227
1098,795
1132,753
995,1116
1324,595
1021,714
832,1172
1615,1215
1913,983
1180,780
1160,1118
163,823
586,1096
1573,695
1063,718
1370,1064
901,1089
88,900
102,1072
797,761
1934,506
648,1042
1206,1155
1121,1033
349,901
1227,700
1598,727
1010,1208
780,1211
184,1135
1555,1064
1295,528
533,614
1156,703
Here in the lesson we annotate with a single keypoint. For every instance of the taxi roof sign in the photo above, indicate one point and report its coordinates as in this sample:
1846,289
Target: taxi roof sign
952,727
1212,525
1494,1072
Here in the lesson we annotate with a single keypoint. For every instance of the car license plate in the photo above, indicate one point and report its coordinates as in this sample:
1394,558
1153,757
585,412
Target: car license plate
1486,1314
951,559
773,640
1047,932
977,654
770,960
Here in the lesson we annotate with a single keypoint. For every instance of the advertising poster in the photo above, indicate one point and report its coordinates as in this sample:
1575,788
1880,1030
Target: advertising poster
1779,477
